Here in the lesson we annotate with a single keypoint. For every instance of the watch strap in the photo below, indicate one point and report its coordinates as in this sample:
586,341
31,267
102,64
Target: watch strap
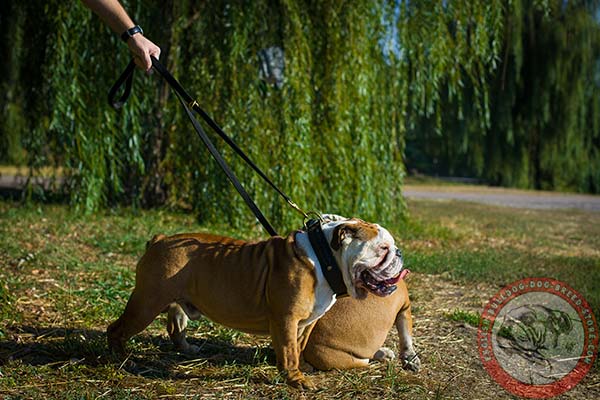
130,32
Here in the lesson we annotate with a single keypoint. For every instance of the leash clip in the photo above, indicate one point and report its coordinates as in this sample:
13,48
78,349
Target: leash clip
309,222
297,208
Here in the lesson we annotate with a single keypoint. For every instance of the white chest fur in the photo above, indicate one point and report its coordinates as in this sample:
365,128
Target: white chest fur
324,296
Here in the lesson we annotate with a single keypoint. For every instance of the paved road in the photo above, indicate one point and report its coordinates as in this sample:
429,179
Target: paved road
478,194
16,183
505,197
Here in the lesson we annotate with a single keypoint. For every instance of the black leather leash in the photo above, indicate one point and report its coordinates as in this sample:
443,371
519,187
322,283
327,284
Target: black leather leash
189,104
329,265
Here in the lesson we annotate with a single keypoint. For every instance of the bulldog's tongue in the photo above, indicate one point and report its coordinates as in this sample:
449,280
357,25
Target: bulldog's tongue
395,279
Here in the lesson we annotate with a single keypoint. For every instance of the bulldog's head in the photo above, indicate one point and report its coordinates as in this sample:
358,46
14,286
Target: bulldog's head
366,254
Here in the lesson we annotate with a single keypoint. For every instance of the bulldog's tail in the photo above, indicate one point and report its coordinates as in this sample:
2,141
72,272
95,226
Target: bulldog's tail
155,239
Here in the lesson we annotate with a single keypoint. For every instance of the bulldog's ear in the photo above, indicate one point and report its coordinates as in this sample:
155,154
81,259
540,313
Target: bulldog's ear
339,234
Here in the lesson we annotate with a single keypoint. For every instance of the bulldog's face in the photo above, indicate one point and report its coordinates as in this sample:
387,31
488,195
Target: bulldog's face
367,256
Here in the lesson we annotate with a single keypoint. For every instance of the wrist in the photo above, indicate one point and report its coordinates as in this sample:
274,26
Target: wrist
125,36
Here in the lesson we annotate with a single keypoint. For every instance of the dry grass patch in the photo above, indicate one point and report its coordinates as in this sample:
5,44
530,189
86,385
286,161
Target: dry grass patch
65,277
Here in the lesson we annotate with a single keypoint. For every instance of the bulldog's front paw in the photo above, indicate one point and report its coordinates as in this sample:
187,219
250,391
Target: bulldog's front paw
411,362
297,380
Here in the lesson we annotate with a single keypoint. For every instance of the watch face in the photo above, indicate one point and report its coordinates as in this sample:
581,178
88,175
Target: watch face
130,32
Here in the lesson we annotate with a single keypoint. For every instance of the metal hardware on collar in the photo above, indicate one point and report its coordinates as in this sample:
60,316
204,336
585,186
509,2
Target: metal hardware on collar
307,218
193,104
295,207
130,32
329,265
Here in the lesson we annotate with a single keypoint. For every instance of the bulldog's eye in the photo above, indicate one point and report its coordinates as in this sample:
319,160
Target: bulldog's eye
384,247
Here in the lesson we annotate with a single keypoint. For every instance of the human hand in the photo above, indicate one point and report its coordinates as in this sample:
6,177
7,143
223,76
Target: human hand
142,49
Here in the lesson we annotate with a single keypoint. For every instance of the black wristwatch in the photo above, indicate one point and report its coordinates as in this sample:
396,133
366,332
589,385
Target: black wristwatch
130,32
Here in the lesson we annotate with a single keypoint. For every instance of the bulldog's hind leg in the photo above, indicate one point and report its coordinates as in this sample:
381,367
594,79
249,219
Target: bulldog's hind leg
407,355
177,320
140,311
325,358
384,354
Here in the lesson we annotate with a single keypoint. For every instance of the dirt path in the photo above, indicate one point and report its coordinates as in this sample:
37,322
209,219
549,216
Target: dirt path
504,197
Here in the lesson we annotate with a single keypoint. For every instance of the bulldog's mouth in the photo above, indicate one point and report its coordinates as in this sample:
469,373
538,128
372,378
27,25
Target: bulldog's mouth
384,287
375,281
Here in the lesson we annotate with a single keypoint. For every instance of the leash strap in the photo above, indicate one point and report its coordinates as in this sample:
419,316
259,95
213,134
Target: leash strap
193,104
232,178
190,104
127,78
329,265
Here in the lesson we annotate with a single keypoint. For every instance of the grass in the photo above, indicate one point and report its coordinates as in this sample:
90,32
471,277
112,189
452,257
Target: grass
64,277
467,317
471,242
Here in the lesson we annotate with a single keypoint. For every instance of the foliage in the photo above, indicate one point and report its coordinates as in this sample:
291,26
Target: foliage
538,125
359,76
325,137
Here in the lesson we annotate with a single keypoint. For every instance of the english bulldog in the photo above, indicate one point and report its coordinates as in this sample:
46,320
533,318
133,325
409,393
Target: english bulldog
352,332
273,287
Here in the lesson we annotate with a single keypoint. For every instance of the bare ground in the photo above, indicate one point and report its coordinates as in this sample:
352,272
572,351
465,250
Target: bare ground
58,349
448,350
504,197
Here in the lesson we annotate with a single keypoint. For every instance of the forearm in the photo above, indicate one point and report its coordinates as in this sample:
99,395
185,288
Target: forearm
115,16
112,13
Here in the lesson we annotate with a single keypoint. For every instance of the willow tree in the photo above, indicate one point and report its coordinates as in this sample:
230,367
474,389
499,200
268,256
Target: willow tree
330,130
322,134
545,133
537,124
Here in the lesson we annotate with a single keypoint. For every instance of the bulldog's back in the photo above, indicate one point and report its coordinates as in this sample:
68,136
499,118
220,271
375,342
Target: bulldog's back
224,278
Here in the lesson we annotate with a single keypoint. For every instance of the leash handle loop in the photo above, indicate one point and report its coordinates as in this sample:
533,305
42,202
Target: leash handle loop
125,78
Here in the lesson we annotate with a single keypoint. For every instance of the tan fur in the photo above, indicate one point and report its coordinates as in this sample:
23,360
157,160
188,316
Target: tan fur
362,230
353,331
265,287
259,288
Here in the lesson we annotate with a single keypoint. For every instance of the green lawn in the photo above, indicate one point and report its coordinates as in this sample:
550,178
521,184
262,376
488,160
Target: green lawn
498,245
64,277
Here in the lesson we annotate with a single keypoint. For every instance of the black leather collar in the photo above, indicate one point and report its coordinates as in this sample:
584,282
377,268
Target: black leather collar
329,265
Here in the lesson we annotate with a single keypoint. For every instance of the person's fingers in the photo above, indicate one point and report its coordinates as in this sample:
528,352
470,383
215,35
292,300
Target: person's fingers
139,62
155,52
142,49
147,62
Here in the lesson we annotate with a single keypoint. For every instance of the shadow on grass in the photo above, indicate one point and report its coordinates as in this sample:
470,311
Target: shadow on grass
147,356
